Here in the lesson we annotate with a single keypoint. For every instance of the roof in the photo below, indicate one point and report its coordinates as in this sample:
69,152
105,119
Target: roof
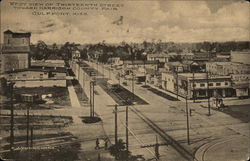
15,49
158,55
39,69
18,34
174,64
202,76
130,62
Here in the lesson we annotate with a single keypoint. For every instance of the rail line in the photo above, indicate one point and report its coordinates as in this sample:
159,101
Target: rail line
180,149
186,154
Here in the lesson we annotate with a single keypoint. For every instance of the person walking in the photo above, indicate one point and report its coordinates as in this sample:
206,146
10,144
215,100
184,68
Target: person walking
97,143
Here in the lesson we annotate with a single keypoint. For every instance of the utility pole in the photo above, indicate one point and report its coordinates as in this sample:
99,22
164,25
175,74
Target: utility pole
133,89
28,122
90,99
145,73
177,82
127,128
31,136
93,98
188,141
116,139
193,89
11,119
157,155
119,79
208,96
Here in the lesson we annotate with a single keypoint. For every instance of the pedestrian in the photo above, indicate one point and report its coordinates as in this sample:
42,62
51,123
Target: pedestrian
106,144
97,143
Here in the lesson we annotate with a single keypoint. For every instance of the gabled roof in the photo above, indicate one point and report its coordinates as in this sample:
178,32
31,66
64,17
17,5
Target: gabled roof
18,34
8,32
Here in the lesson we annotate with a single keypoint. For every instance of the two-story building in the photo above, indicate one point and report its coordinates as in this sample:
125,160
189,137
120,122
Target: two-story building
195,85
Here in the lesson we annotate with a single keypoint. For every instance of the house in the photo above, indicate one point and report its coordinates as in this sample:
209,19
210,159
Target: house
174,67
161,57
187,56
195,85
76,54
15,51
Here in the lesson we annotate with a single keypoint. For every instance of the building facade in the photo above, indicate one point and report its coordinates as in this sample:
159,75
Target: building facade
15,51
240,56
195,85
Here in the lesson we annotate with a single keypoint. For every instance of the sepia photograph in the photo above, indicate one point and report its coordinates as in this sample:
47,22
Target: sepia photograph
124,80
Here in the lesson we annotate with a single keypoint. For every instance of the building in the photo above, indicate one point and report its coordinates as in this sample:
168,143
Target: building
129,64
37,77
195,85
187,56
240,56
227,68
76,54
161,57
15,51
115,61
174,67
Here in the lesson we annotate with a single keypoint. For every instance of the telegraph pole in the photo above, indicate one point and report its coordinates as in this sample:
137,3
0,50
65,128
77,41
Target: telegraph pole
193,89
11,119
31,136
116,139
188,140
133,89
103,70
145,73
93,99
177,82
127,128
208,96
90,99
28,122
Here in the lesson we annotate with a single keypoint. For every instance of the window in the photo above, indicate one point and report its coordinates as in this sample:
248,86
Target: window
23,41
202,85
226,83
218,84
210,84
8,41
194,85
24,75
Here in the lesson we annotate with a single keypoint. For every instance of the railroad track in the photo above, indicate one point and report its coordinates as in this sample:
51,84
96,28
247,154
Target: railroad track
168,139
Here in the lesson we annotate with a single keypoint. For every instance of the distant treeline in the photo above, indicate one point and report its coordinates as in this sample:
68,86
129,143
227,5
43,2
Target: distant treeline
102,51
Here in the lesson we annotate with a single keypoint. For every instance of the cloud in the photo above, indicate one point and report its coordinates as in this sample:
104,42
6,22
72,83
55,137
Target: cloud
181,21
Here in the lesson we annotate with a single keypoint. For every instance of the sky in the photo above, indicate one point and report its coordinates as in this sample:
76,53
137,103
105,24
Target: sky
165,20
